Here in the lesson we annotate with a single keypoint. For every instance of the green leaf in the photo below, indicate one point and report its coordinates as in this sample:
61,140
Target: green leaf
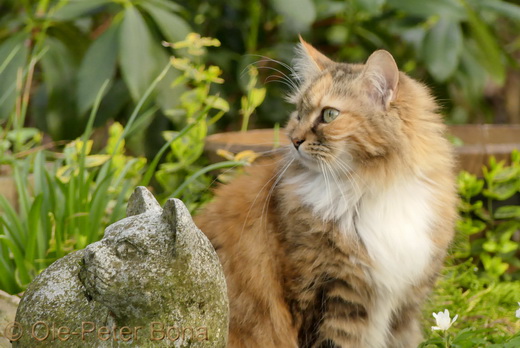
167,4
508,212
493,264
98,65
173,27
372,7
469,226
507,247
13,56
506,174
442,48
136,53
490,246
503,8
450,9
59,68
298,15
489,54
74,9
502,191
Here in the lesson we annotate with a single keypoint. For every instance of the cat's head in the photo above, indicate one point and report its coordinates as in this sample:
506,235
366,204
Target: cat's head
349,114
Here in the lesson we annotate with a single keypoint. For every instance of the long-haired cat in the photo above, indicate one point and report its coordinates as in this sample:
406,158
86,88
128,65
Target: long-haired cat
337,241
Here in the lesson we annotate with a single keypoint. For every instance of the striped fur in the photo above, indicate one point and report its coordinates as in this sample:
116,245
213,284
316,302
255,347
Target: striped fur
338,242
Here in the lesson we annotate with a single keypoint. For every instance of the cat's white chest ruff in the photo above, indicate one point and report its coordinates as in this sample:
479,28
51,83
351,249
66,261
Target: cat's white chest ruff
394,222
395,226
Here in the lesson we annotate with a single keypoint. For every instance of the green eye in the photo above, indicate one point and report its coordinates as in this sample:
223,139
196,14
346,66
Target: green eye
329,114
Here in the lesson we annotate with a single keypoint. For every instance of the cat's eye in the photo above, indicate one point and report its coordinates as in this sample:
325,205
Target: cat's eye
126,250
329,114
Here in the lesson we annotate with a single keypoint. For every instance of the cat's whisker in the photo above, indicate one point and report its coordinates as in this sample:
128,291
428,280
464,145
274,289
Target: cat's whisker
268,59
289,80
269,195
274,177
282,77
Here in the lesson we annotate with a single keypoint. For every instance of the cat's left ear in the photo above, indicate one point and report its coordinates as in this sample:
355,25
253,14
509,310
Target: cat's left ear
381,78
309,61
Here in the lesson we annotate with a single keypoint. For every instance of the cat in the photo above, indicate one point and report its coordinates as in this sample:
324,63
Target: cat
337,241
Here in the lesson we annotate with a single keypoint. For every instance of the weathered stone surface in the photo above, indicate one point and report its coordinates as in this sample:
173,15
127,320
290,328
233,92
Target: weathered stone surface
153,280
8,305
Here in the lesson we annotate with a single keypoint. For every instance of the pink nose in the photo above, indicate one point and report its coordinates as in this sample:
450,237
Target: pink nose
297,142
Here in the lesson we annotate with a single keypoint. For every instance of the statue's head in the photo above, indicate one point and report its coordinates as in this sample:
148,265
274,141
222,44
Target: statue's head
135,267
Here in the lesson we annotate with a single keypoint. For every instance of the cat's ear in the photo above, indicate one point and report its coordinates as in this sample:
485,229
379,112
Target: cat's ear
381,78
309,61
141,201
177,215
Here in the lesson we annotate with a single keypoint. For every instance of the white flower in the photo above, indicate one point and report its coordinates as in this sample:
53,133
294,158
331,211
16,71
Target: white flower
443,320
518,311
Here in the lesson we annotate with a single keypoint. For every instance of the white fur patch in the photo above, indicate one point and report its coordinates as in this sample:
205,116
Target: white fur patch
394,224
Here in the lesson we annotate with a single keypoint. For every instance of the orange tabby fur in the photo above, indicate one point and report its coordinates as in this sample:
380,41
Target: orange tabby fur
312,274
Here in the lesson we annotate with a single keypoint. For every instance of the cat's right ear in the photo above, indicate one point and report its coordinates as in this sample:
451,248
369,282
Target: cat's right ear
142,201
309,61
381,78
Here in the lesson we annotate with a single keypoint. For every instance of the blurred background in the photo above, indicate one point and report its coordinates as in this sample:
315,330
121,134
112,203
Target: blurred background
467,51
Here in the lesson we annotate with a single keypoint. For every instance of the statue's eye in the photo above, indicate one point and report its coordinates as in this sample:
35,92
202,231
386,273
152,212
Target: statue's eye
126,250
329,114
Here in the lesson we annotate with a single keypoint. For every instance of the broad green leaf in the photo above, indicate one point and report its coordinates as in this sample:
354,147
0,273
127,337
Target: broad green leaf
77,8
13,56
449,9
173,27
372,7
507,247
136,53
502,191
506,174
503,8
508,212
297,15
167,4
489,54
98,65
59,69
442,48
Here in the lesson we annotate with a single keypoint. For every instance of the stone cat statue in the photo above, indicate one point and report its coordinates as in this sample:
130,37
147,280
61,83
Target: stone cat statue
154,280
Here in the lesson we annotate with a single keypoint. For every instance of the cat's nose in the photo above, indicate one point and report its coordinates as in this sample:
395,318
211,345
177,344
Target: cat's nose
297,142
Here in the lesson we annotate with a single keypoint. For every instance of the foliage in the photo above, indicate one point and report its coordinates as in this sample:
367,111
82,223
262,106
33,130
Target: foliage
488,223
65,206
457,47
486,310
184,169
74,46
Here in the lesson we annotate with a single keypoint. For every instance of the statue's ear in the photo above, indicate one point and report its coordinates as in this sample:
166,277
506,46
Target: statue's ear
142,201
176,214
